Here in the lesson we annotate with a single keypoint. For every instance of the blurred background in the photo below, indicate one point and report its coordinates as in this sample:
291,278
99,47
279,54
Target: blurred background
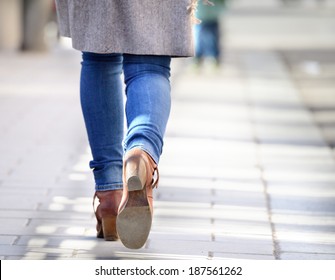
31,24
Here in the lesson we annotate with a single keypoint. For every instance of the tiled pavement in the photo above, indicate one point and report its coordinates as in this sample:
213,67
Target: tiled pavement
247,170
248,165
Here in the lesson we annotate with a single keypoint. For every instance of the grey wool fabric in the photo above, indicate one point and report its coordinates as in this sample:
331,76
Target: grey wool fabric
147,27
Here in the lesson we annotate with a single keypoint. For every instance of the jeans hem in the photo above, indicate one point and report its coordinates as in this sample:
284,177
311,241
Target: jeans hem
147,148
109,187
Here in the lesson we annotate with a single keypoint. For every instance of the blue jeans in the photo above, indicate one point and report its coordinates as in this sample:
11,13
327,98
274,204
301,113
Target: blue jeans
147,110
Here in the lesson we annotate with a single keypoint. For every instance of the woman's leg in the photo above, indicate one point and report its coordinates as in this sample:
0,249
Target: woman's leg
147,110
102,105
148,102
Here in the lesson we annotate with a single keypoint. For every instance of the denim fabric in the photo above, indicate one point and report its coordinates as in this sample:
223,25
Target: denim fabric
147,109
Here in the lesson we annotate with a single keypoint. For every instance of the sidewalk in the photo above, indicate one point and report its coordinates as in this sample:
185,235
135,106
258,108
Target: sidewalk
246,172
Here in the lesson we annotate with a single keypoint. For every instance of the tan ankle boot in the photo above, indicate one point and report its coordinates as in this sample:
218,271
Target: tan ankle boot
136,208
106,213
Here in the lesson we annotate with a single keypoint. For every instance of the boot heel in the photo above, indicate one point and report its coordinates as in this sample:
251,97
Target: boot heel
109,228
134,218
136,174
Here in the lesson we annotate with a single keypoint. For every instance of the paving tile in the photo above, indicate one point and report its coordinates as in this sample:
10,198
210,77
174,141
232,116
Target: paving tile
301,175
220,111
306,256
156,234
197,195
10,250
26,191
59,203
70,183
34,253
117,252
306,236
290,117
289,151
182,184
239,198
46,215
314,205
65,227
281,134
220,218
70,242
212,172
304,219
242,227
182,224
32,179
214,130
15,201
234,256
28,184
223,90
13,226
312,190
242,213
303,203
299,165
176,247
210,152
307,248
202,248
7,239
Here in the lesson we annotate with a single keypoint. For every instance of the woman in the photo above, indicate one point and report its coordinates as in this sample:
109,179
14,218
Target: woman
138,37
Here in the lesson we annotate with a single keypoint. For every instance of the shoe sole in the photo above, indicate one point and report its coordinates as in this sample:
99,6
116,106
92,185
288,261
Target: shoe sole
133,223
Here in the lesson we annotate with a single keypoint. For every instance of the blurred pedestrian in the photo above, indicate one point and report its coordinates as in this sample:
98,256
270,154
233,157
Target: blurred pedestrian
208,32
138,37
22,24
36,14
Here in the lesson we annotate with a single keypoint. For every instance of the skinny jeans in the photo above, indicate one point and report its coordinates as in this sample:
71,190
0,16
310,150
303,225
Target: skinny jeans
126,103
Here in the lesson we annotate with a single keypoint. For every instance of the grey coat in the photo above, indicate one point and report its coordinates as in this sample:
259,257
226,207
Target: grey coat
156,27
